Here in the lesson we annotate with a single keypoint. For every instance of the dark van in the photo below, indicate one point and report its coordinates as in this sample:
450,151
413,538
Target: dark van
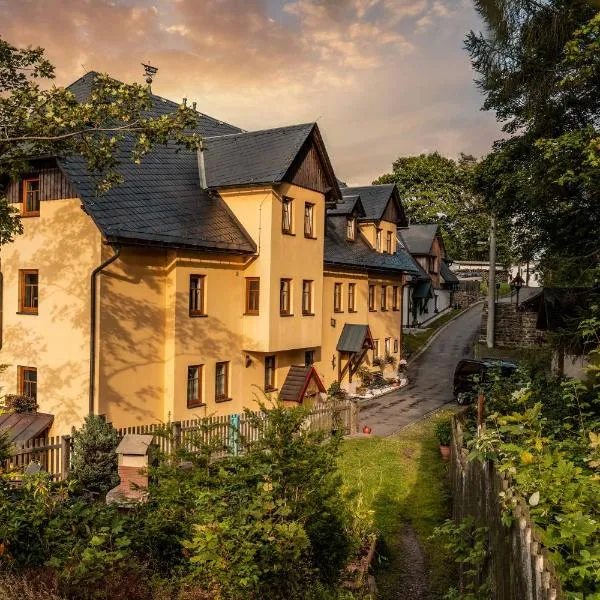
470,373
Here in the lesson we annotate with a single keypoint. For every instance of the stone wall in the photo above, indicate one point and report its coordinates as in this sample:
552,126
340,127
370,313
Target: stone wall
513,327
468,293
518,566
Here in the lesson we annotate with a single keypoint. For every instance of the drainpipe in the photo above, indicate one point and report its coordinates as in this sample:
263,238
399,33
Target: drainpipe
93,279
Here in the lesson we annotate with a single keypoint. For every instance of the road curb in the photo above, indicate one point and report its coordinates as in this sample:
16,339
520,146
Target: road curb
435,335
423,417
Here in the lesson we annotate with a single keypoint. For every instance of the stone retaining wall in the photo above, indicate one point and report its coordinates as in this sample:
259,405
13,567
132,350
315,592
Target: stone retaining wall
513,327
518,565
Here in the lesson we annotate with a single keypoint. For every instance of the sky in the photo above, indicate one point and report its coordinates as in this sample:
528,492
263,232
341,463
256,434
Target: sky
383,78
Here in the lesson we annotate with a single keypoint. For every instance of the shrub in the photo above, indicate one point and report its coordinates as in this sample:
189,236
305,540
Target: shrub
19,403
443,432
336,392
94,460
366,376
5,446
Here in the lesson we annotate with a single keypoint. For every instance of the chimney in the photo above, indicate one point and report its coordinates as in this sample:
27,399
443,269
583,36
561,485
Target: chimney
202,166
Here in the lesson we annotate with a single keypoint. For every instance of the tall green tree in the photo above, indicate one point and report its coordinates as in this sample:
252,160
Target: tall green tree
40,119
436,189
539,67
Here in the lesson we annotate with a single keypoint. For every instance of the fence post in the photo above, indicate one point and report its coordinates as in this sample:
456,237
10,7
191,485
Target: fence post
65,455
176,434
234,434
354,417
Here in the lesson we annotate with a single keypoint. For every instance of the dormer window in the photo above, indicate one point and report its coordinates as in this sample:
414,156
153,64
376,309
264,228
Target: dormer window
378,240
351,228
31,197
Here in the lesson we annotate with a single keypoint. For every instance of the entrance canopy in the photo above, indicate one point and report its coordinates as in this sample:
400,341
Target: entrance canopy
423,290
355,338
22,427
301,382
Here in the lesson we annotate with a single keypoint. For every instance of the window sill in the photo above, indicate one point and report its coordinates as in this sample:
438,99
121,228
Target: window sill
198,315
337,311
310,237
27,215
268,390
251,314
24,312
223,399
372,310
288,233
200,405
395,309
384,310
308,314
286,314
353,310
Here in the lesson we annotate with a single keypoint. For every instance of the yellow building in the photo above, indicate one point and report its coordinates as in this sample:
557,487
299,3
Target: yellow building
199,282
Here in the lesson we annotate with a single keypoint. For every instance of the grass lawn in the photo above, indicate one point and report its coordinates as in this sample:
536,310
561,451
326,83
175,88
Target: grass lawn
404,481
413,342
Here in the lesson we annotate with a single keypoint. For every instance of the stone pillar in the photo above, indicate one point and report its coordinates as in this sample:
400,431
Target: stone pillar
132,455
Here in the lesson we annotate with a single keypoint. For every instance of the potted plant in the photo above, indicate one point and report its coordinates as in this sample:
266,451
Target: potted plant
443,434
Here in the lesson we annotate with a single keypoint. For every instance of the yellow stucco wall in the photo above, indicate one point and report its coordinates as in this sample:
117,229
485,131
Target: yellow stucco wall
64,245
386,324
369,231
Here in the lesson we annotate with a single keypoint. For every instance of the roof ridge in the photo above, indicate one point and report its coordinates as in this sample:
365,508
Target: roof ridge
297,126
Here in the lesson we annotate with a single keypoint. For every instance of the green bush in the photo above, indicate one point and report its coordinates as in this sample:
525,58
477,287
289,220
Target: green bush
5,446
94,460
19,403
443,432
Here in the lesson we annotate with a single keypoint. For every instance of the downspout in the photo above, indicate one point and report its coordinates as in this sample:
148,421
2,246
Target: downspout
93,279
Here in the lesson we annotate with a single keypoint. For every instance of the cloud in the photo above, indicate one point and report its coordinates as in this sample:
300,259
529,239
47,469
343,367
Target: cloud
366,69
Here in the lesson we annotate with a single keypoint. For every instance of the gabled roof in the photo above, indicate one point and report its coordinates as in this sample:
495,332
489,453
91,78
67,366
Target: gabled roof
160,201
350,205
355,338
376,199
340,251
447,275
269,156
418,239
22,427
297,381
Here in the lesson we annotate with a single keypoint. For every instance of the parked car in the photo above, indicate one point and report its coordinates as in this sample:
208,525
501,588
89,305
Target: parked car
470,374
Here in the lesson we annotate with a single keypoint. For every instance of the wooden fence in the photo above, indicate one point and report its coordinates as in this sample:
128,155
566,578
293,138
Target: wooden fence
225,434
518,564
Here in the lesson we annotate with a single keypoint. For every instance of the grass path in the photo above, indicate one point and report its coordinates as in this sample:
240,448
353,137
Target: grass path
403,480
413,342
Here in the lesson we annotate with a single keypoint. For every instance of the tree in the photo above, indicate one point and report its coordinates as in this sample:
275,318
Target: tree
37,119
539,65
436,189
94,460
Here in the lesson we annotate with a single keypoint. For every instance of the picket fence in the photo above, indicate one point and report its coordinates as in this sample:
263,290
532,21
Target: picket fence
225,435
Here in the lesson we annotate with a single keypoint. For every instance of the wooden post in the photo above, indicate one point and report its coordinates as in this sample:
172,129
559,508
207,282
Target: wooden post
65,455
176,435
480,407
354,420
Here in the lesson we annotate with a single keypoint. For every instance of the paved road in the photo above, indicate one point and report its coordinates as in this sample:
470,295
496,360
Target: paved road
431,379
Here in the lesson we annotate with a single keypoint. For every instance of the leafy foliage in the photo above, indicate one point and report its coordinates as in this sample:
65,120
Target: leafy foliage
272,522
436,189
19,403
94,460
443,432
544,433
5,446
41,120
538,64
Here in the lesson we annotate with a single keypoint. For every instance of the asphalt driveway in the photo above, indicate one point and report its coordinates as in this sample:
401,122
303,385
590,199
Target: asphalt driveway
430,377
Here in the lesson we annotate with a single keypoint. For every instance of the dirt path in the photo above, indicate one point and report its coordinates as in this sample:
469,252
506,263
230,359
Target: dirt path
414,580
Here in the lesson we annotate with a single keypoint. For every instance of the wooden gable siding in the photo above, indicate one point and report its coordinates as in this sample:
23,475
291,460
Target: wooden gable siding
53,184
308,171
391,213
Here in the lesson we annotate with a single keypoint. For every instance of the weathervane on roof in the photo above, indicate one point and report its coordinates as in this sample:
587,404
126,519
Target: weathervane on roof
149,72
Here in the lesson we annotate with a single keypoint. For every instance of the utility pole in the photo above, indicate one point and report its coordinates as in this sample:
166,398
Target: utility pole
491,319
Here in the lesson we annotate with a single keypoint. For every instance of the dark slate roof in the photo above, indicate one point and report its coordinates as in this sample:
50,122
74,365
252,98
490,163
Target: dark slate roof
423,290
375,198
447,275
22,427
358,253
160,201
296,382
353,338
418,239
259,157
348,206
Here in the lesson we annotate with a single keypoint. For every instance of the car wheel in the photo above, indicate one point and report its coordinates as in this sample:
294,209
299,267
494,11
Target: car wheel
463,398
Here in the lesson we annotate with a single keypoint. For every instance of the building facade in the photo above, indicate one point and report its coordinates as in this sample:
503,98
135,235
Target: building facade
201,283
